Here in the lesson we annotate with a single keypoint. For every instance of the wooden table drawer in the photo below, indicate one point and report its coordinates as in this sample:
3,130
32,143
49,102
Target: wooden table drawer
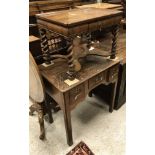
77,94
113,77
113,73
114,70
94,81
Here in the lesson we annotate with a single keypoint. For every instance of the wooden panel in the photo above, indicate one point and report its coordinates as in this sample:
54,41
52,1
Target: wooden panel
81,2
109,22
121,87
53,27
98,79
78,29
77,94
54,93
113,73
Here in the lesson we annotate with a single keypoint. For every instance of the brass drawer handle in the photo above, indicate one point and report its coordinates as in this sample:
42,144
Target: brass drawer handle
75,98
77,92
98,79
114,76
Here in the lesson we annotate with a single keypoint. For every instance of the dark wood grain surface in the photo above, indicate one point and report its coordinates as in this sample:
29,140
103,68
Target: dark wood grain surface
93,66
77,16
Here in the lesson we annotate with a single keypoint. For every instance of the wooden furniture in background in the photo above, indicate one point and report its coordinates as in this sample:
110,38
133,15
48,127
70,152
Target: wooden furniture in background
83,2
114,1
101,6
35,49
95,71
69,24
121,87
37,7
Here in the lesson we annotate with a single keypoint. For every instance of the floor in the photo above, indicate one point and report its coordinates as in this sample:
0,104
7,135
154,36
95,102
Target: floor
102,131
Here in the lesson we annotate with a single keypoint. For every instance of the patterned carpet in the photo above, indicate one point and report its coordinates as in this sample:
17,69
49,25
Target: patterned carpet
81,149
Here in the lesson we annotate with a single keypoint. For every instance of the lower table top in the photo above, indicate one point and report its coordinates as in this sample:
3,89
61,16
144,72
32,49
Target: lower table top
91,66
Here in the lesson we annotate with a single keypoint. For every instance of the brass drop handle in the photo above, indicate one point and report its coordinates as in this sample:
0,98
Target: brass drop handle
76,96
98,79
77,92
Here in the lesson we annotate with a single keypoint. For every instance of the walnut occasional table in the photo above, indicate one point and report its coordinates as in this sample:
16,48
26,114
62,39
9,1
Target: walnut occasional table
76,22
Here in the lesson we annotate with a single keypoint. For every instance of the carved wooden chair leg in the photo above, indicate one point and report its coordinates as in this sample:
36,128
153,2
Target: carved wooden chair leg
41,121
32,109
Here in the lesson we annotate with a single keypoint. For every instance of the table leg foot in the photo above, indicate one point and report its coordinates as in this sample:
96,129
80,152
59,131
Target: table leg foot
41,121
68,126
32,109
113,94
70,143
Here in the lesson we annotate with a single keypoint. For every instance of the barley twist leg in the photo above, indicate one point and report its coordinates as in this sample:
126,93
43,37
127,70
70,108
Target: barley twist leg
45,46
70,63
114,41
